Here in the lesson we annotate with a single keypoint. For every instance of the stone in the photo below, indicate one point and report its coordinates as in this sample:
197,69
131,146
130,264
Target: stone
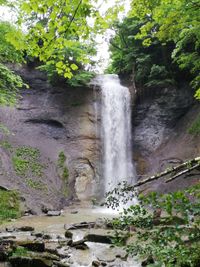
38,235
105,239
8,237
25,229
100,223
79,225
82,247
96,263
74,212
47,237
32,245
10,229
54,213
68,234
77,243
30,262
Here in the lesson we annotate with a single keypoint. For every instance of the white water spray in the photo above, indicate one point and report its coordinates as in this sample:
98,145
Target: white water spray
116,132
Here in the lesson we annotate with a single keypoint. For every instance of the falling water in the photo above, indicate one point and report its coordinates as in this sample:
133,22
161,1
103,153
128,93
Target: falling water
116,132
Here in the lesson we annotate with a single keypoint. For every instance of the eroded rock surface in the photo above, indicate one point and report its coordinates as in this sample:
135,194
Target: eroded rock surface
57,121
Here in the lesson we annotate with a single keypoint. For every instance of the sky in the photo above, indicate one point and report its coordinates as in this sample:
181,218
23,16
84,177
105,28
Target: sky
102,56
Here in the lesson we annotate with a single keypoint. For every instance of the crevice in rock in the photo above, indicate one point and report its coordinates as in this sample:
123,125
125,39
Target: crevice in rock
49,122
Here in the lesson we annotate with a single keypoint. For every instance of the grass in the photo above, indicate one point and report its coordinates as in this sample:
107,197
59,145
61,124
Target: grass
195,127
38,185
9,205
26,161
5,144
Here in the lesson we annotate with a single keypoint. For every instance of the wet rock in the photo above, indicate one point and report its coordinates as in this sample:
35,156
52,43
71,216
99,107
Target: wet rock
105,239
77,243
100,223
74,212
47,237
82,247
25,229
96,263
32,245
79,225
38,235
30,262
54,213
51,248
68,234
10,229
8,237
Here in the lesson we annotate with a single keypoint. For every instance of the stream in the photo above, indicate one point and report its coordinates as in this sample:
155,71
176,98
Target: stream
54,230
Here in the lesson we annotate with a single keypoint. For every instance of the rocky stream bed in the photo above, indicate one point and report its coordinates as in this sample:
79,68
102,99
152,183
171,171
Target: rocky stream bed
74,237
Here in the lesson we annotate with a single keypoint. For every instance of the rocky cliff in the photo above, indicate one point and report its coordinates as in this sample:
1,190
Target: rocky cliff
161,120
51,150
49,147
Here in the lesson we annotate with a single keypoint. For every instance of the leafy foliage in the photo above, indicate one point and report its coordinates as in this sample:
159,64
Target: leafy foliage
9,205
8,52
166,228
9,84
60,33
149,66
9,81
174,21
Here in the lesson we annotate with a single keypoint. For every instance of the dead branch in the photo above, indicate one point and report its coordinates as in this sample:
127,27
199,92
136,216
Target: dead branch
172,170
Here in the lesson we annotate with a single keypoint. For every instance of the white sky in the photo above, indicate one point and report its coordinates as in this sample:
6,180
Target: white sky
102,40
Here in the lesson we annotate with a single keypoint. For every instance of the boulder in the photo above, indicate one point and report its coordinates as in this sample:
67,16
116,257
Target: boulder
97,238
68,234
19,261
32,245
54,213
25,228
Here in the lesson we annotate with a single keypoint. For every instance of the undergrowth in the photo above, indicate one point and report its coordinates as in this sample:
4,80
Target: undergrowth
9,205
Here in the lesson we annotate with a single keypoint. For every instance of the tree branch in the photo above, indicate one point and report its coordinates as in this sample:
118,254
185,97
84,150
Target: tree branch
168,171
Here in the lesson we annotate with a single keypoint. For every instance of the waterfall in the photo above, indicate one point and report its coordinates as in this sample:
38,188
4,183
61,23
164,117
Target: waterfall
116,132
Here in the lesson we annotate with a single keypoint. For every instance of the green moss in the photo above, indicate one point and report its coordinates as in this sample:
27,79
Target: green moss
39,185
195,127
63,171
5,144
61,159
4,129
26,161
20,251
9,205
65,174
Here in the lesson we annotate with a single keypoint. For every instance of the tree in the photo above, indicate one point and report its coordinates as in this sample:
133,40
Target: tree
174,21
150,66
9,81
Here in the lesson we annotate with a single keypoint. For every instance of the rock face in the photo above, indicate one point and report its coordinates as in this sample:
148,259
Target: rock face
160,134
60,123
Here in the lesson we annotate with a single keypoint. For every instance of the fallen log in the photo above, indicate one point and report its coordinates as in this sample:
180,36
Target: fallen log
175,169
